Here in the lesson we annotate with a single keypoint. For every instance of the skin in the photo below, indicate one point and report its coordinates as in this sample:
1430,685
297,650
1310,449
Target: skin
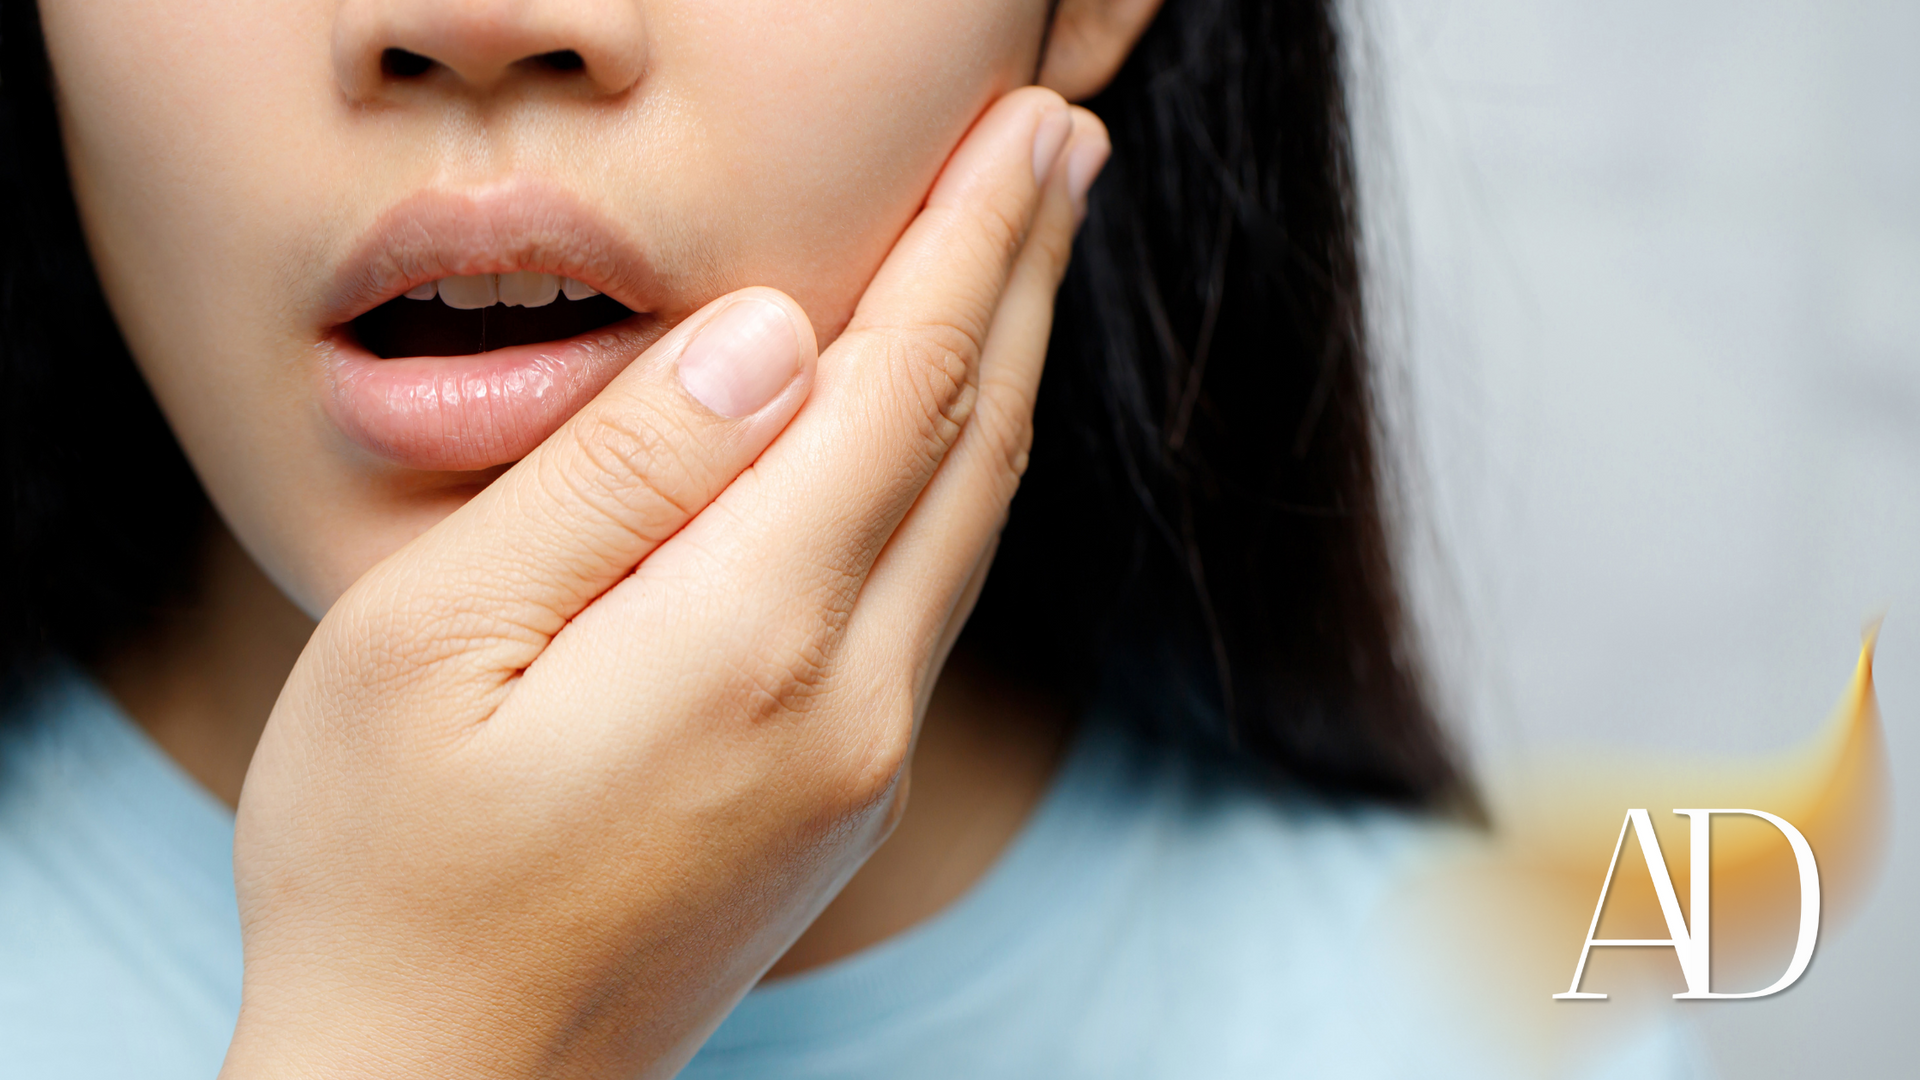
219,191
589,741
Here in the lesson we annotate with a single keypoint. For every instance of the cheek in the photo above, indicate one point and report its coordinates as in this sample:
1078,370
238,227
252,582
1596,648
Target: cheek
190,128
820,127
186,124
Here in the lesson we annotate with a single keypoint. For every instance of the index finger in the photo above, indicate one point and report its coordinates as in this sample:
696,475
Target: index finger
892,393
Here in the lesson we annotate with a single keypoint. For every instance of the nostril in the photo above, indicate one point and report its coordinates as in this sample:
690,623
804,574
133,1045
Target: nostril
401,64
561,60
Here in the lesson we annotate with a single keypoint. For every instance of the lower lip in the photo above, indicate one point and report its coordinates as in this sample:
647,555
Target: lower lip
462,413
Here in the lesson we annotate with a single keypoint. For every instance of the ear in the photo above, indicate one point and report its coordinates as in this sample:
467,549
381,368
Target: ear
1089,41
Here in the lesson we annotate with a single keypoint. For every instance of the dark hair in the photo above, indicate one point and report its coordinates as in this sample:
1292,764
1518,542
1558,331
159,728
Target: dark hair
81,573
1200,538
1201,533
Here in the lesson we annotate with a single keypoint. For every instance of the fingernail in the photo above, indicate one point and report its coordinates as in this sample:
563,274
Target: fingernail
1048,138
742,358
1083,165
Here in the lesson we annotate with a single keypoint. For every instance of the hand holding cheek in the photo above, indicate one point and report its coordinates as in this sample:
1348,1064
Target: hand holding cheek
555,783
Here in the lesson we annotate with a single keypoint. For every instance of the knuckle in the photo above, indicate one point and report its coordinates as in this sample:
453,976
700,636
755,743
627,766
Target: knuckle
630,470
869,745
871,770
1003,224
1008,431
1054,247
399,634
786,683
988,234
936,361
791,667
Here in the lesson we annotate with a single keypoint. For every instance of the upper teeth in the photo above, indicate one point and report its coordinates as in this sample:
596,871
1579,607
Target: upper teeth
522,288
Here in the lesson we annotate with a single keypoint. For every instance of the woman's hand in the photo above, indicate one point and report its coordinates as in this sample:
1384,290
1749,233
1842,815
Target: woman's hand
554,784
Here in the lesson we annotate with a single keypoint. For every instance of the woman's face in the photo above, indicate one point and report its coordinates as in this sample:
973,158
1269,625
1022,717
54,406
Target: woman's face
262,180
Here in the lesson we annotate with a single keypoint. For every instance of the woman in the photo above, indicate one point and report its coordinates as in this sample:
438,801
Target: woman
635,391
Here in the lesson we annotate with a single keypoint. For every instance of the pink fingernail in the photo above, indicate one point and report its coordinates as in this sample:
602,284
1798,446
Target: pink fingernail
742,358
1048,138
1083,165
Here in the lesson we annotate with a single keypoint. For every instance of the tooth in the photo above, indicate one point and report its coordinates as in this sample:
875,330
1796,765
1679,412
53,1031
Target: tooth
577,291
526,288
469,291
422,291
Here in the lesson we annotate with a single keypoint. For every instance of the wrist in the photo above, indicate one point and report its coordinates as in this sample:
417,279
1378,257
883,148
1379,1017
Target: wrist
333,1029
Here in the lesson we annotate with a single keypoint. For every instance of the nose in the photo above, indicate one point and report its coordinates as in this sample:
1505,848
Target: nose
381,44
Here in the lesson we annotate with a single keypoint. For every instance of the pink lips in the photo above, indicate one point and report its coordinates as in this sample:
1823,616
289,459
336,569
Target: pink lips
473,412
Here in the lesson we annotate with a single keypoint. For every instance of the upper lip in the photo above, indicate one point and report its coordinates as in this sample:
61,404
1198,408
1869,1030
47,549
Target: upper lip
495,229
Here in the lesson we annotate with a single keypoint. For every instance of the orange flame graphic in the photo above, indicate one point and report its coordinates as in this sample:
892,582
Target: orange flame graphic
1501,919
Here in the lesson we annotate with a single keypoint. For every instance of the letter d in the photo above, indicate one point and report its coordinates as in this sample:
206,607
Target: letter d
1809,897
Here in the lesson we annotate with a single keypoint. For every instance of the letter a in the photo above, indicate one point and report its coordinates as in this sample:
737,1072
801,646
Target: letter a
1690,950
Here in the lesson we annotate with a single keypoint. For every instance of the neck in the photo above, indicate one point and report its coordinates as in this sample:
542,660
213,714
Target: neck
204,680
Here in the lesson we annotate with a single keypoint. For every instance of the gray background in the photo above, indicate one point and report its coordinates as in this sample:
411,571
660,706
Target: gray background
1650,274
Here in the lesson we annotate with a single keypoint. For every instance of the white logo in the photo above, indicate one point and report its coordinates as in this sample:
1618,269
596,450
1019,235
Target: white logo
1691,945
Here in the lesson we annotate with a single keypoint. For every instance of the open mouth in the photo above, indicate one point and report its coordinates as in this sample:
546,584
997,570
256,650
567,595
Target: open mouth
469,370
477,313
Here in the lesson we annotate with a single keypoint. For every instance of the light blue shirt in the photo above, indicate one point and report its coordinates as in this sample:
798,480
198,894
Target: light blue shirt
1154,918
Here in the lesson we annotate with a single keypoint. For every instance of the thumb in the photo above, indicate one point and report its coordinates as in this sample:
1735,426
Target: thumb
473,601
